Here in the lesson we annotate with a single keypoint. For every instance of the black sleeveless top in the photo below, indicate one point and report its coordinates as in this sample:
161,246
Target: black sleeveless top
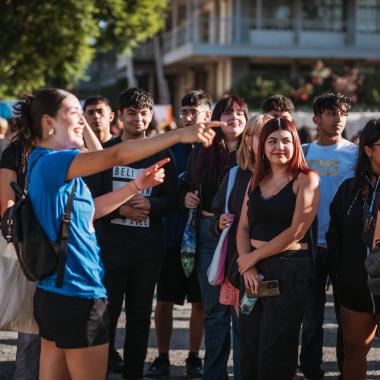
268,217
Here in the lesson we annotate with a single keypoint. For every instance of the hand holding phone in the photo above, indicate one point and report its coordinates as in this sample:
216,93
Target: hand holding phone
266,289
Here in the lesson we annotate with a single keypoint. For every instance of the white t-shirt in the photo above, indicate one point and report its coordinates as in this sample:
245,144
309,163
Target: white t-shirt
334,164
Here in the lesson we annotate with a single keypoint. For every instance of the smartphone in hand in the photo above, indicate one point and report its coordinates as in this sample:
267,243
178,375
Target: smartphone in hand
266,289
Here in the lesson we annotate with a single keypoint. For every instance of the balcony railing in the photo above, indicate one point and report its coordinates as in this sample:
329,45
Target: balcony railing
225,31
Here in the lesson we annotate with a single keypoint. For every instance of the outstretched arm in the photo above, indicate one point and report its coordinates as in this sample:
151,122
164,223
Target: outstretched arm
85,164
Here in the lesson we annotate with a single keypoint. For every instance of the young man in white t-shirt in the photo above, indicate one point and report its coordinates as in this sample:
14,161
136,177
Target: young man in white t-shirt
334,159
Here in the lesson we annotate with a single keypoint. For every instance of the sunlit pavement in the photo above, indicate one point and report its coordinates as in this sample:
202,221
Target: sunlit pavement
179,347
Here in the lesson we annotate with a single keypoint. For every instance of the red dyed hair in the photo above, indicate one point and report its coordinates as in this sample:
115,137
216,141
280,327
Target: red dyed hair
297,163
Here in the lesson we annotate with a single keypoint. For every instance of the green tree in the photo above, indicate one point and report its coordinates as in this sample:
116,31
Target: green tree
46,42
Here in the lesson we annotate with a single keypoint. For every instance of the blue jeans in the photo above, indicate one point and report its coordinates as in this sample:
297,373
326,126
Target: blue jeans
217,319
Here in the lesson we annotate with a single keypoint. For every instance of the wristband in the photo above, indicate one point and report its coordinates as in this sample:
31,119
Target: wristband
134,186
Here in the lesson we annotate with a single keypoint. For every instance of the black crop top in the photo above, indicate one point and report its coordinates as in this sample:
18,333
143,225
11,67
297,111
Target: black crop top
269,217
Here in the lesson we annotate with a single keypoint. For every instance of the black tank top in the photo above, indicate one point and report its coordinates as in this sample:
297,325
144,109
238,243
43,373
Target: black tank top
268,217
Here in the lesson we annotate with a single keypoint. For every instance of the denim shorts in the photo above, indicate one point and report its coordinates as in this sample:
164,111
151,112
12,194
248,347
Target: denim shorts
71,322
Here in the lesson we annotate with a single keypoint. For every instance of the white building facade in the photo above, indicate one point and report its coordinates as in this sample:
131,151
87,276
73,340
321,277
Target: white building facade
212,44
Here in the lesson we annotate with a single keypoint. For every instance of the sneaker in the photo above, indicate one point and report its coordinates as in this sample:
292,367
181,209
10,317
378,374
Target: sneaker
158,369
194,367
115,362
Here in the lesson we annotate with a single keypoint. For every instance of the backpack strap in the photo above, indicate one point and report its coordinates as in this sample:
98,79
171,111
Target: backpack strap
63,237
231,181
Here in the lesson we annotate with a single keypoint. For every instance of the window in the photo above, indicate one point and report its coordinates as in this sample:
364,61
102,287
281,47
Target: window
368,16
277,14
270,15
323,15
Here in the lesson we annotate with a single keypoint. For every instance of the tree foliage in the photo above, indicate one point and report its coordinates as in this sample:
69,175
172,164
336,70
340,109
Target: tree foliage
51,42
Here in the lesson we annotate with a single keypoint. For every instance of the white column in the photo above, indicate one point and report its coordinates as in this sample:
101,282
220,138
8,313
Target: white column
188,22
223,32
237,21
259,14
351,22
196,16
174,23
297,24
132,81
212,30
163,89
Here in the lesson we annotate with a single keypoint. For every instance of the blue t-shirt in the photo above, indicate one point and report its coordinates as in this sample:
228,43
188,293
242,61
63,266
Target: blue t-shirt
334,164
49,193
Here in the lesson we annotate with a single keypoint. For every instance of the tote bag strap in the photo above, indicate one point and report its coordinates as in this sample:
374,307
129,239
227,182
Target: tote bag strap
231,181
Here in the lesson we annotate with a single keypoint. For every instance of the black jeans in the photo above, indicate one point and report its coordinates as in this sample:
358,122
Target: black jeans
269,334
311,357
136,284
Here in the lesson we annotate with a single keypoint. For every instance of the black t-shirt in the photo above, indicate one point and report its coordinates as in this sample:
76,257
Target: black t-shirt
122,240
11,159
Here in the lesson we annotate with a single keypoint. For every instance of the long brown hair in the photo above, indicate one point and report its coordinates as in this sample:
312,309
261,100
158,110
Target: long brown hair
29,112
217,154
297,163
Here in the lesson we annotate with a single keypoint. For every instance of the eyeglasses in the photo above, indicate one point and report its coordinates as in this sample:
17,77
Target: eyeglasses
192,113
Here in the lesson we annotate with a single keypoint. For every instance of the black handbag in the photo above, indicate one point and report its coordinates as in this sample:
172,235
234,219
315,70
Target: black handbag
371,232
372,265
233,273
38,256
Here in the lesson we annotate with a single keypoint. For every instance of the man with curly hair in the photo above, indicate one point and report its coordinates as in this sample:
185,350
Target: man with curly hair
334,158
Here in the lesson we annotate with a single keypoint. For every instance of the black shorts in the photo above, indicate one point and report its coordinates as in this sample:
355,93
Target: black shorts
71,322
173,285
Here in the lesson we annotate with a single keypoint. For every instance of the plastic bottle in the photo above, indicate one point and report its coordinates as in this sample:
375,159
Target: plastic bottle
247,303
189,242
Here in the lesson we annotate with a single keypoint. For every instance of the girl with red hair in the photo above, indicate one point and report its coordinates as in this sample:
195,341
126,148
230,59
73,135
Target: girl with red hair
273,244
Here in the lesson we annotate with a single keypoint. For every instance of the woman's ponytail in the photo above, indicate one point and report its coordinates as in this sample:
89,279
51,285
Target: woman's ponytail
29,112
23,126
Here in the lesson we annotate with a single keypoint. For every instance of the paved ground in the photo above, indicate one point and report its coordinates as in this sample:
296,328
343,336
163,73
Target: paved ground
179,352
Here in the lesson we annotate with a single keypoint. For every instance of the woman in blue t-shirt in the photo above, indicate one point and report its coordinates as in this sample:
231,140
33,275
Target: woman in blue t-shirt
73,318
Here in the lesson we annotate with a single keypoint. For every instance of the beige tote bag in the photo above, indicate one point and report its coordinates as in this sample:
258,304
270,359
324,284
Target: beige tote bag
16,293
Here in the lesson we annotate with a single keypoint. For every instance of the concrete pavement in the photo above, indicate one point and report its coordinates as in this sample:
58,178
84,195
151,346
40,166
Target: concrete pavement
179,347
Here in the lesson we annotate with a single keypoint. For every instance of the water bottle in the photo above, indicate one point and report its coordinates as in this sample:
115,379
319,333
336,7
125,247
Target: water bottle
189,243
247,303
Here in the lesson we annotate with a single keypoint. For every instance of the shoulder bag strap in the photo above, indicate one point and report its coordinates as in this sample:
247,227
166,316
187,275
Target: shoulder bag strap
231,181
63,237
376,235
